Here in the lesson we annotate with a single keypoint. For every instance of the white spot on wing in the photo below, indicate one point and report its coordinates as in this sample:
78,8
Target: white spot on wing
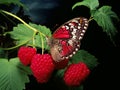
74,29
67,27
66,57
72,26
86,24
73,33
74,52
81,34
76,49
79,24
78,45
80,38
83,31
79,27
85,27
70,55
70,42
74,37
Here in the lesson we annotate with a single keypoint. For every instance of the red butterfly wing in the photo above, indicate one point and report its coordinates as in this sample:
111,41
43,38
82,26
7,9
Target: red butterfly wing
66,39
61,33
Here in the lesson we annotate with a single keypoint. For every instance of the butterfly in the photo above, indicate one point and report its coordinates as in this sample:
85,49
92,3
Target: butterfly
66,39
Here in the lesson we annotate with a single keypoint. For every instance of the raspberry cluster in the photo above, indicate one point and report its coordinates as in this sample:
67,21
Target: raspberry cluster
25,54
75,74
43,65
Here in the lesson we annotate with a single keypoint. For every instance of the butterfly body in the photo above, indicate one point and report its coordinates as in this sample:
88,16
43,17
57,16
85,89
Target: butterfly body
66,39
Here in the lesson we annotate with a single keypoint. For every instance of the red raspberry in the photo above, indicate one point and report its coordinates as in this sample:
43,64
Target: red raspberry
42,67
62,64
75,74
25,54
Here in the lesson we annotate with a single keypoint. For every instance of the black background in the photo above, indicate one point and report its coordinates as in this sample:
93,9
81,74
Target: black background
106,75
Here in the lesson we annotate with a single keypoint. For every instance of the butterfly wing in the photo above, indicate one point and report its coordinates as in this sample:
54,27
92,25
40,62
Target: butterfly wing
66,39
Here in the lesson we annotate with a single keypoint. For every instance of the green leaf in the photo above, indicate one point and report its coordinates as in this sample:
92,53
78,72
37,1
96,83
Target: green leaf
84,56
42,29
22,34
92,4
46,31
16,2
25,69
38,42
12,76
103,16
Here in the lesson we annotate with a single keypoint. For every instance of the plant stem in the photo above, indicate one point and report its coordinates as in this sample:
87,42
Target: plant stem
8,13
42,44
90,19
27,25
